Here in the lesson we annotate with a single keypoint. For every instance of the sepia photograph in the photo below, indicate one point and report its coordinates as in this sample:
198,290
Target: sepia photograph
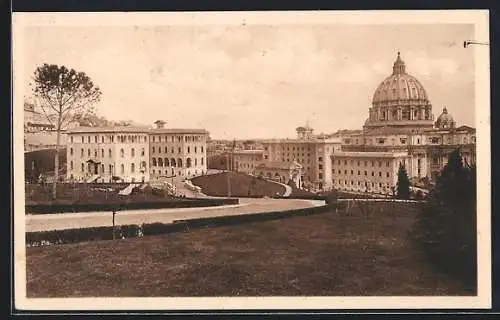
252,160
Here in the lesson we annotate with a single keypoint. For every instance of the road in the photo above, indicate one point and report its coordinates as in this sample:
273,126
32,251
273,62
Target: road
45,222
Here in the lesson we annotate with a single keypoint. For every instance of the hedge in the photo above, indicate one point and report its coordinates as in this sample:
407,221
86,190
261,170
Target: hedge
87,207
131,231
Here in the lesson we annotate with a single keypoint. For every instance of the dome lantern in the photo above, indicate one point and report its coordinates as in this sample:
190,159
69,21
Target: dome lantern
399,66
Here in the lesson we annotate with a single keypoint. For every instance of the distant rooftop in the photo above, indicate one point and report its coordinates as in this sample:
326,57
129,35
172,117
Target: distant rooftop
136,129
370,154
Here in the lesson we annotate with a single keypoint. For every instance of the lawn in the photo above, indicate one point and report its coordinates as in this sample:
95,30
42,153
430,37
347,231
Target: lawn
242,185
331,254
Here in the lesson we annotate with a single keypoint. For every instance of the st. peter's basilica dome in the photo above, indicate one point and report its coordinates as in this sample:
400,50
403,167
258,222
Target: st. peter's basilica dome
400,101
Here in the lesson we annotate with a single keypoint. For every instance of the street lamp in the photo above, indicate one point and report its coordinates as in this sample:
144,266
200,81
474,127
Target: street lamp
469,42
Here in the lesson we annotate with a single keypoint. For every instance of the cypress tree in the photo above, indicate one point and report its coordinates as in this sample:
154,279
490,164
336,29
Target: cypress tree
403,185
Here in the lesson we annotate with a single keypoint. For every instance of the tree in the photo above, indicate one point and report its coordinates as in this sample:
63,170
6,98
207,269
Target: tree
403,185
446,226
63,95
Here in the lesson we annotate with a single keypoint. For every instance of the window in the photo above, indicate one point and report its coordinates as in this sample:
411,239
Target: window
202,160
201,149
102,139
352,171
122,153
122,167
320,167
83,166
154,162
366,173
132,152
95,139
153,150
195,149
82,140
95,153
71,139
387,164
143,152
179,150
189,149
159,149
379,173
71,151
110,169
71,165
102,153
339,162
88,139
359,172
109,152
132,167
345,171
373,174
387,174
166,150
320,175
88,152
160,162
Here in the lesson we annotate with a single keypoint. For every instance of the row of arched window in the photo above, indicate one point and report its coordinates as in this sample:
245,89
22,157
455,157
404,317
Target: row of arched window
172,162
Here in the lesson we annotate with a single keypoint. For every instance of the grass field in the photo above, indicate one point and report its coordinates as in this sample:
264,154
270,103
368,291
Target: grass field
326,254
242,185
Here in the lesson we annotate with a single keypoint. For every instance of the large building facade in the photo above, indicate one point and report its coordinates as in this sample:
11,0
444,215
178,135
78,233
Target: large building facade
401,122
310,152
134,154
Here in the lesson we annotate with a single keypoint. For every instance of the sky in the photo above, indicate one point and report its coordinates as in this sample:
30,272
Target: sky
257,81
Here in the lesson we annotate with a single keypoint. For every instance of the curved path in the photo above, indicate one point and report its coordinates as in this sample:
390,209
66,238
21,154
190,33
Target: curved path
45,222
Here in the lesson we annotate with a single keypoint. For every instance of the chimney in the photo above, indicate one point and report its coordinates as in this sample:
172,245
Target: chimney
159,124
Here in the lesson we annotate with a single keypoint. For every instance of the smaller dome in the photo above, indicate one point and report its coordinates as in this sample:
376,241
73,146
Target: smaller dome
445,120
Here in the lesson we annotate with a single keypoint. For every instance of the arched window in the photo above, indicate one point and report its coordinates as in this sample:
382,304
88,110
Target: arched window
166,162
172,162
201,149
83,167
132,167
154,162
88,152
102,153
188,162
195,149
102,168
189,149
202,160
143,165
166,150
71,151
160,162
110,169
179,163
122,168
109,153
71,165
132,152
195,161
122,153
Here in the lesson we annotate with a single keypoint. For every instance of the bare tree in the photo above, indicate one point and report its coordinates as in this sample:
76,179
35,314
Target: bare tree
63,95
